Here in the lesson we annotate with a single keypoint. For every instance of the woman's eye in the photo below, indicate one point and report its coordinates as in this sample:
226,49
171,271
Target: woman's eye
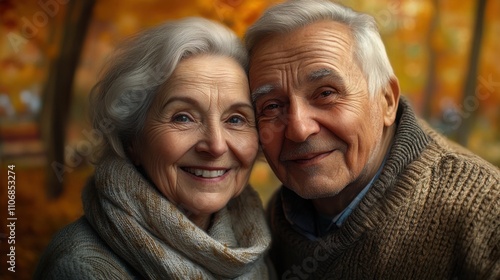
181,118
236,119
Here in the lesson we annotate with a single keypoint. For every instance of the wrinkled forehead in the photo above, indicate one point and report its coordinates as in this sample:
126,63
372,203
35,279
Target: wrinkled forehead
308,36
206,76
306,53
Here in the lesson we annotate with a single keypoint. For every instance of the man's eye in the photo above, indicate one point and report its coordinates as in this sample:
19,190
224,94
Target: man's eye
181,118
327,96
271,107
327,93
270,110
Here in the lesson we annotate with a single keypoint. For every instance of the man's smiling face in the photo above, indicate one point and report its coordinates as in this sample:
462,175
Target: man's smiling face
319,128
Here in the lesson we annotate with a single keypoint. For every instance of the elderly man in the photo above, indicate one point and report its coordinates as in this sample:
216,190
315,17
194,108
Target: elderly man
369,191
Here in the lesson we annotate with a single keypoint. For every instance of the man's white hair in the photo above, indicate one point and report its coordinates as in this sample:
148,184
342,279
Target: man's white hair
369,50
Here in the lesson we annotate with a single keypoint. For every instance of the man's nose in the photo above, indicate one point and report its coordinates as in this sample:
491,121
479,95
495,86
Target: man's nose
300,121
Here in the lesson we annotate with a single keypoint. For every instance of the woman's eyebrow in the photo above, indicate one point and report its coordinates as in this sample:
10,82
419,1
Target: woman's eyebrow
183,99
241,105
195,103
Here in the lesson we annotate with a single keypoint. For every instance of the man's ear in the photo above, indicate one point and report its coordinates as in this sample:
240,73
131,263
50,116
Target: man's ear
391,94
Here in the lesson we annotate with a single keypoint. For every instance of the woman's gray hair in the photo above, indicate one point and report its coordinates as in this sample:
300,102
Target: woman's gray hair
119,102
369,50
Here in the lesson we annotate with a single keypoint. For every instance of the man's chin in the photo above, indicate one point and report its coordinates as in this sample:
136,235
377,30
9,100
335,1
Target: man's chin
316,192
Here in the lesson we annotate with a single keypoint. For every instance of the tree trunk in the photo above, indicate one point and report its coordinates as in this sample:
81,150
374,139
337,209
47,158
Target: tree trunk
470,102
58,90
431,68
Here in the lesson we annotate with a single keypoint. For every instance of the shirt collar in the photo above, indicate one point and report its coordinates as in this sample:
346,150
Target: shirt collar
301,214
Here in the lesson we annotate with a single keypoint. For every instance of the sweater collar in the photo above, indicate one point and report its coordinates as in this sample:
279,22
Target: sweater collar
301,214
383,197
398,177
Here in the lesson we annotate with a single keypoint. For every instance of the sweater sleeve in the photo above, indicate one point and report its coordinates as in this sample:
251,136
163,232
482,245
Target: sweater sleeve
474,195
74,267
76,252
481,242
475,184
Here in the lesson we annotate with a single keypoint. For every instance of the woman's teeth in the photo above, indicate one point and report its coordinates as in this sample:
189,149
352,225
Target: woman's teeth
205,173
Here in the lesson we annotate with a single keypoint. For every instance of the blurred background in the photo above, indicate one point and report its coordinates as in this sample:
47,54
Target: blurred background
444,52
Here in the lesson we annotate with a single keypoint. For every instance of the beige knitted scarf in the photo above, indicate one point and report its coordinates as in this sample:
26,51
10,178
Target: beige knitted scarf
159,241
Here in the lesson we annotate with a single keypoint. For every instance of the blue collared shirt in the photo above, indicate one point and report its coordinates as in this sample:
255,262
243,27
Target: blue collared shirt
301,214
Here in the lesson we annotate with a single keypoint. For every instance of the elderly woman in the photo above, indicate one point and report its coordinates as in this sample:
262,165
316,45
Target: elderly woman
169,198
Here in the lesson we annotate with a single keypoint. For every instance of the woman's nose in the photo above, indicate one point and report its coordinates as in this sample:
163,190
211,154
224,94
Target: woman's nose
213,141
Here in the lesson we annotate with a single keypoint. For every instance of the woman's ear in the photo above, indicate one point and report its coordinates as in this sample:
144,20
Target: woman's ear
391,94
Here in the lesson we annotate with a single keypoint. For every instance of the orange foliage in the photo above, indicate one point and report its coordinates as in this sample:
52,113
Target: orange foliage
405,26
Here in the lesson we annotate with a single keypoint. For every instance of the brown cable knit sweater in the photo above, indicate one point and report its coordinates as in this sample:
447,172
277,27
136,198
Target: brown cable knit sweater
433,213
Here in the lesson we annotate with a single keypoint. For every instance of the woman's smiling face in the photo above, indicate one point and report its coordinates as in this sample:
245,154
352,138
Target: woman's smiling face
199,140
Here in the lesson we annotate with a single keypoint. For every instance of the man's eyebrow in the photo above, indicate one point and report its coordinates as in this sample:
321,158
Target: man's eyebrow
322,73
262,90
311,77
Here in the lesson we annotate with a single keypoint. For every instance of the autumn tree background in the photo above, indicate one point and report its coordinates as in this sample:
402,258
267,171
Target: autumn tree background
444,52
